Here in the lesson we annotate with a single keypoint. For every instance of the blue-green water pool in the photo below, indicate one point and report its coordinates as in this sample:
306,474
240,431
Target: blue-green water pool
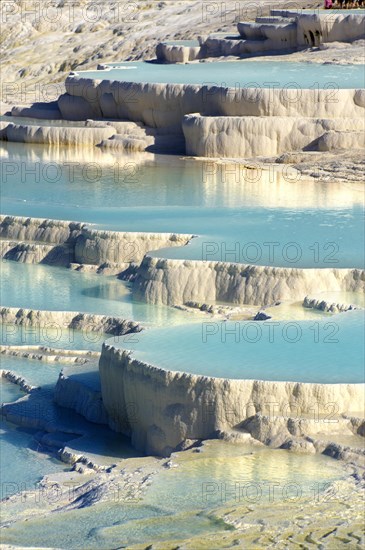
244,74
239,212
51,336
37,373
22,466
193,43
8,391
54,288
323,350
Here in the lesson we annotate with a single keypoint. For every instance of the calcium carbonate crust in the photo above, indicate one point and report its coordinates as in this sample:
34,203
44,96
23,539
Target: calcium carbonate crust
159,408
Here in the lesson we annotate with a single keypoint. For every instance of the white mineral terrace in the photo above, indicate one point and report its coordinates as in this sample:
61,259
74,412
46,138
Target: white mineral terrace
183,282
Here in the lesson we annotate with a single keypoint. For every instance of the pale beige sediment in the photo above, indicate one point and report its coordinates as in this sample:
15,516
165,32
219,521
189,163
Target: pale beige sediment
325,27
97,247
37,229
282,30
176,53
114,136
35,253
45,111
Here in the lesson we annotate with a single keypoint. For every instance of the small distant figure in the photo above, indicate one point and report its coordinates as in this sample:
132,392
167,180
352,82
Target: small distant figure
343,4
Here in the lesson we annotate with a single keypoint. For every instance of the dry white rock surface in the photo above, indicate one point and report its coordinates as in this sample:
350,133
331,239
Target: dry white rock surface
40,43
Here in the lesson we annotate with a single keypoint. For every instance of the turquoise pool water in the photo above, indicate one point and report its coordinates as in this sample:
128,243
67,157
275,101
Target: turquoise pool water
22,466
175,195
206,480
193,43
327,350
244,74
235,210
8,391
54,288
178,502
37,373
36,178
52,337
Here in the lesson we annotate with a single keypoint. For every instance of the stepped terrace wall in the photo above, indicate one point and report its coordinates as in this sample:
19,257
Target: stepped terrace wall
175,282
160,409
58,242
57,136
104,324
283,30
164,105
238,136
317,28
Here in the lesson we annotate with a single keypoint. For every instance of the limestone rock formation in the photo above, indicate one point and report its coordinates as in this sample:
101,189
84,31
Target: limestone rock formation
164,105
89,322
247,136
160,409
174,282
57,242
58,135
328,306
74,392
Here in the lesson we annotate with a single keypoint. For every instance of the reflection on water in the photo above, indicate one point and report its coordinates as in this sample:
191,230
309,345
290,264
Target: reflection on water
51,336
68,178
225,473
242,213
295,311
225,204
354,298
55,288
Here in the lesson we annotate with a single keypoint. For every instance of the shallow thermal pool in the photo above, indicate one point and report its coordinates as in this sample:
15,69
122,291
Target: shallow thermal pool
56,288
238,74
42,122
51,336
233,208
193,43
177,503
8,391
37,373
323,350
22,466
